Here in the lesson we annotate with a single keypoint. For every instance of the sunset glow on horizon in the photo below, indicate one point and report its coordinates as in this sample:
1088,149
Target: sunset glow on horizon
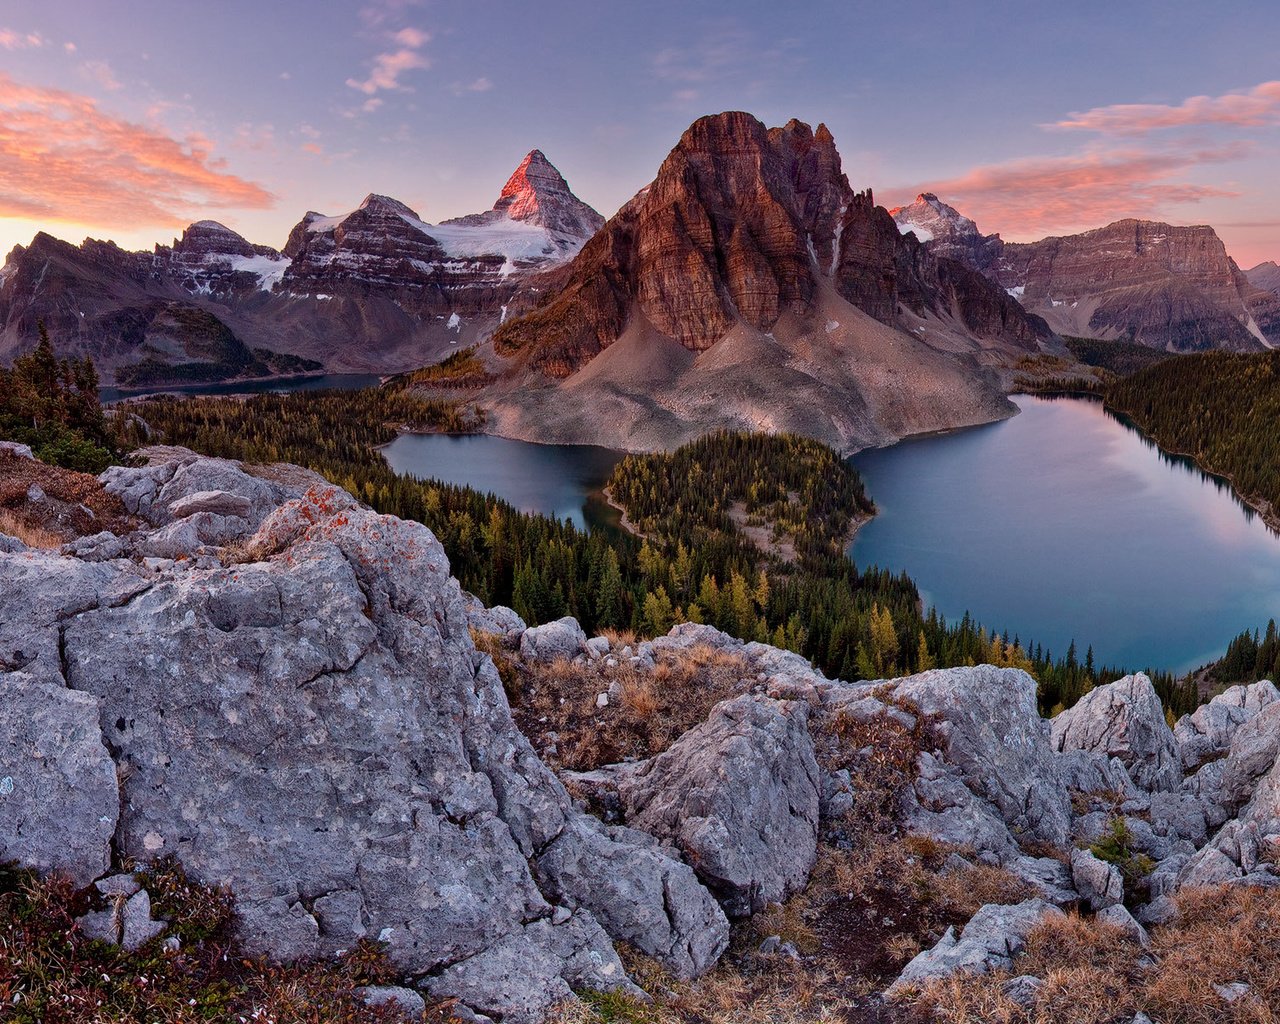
1030,122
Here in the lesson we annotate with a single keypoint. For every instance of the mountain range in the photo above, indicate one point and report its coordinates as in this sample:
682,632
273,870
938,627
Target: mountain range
375,289
1156,284
748,285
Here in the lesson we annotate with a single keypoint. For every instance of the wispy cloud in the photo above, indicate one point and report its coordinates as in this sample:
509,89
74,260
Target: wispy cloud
388,67
99,73
11,40
1256,107
62,158
481,84
378,13
1044,194
722,54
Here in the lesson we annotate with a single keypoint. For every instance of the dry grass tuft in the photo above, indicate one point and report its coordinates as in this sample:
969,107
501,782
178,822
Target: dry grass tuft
31,536
1094,974
555,704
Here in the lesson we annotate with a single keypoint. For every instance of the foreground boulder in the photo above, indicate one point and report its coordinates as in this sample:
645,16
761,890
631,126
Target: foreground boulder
989,942
738,796
638,891
993,775
1124,720
304,718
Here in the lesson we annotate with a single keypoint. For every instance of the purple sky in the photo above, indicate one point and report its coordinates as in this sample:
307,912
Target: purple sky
1032,118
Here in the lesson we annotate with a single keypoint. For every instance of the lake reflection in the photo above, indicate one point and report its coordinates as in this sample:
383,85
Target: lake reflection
1063,522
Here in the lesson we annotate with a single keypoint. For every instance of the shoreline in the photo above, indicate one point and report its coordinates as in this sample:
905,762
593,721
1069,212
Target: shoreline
1256,504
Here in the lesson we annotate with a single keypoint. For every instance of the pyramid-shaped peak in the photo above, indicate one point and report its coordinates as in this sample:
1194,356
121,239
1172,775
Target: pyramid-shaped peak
537,193
535,174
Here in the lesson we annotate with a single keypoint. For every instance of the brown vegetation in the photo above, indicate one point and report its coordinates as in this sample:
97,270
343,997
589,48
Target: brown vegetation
73,504
50,973
1094,974
555,704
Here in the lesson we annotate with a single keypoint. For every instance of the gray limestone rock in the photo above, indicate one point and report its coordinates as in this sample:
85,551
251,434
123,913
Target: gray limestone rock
989,730
738,796
219,503
526,973
58,795
559,640
137,927
1023,990
1124,719
100,547
638,892
22,451
990,941
1255,745
1208,731
1099,884
499,619
1117,916
407,999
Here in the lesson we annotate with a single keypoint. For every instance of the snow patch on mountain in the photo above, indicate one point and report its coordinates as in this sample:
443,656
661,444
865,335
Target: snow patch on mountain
910,227
268,269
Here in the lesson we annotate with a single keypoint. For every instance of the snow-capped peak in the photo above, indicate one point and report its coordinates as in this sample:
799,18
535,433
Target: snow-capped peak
929,217
537,194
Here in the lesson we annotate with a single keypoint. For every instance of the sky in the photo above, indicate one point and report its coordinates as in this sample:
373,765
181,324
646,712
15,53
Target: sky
129,120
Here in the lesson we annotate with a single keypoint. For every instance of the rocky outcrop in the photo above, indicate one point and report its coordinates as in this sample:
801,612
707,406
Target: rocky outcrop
291,705
1124,720
993,753
1207,732
1099,884
738,796
311,726
638,891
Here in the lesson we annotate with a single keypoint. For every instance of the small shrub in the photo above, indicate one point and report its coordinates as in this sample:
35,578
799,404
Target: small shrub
1115,846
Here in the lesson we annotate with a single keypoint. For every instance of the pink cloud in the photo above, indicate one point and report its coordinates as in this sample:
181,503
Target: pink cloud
388,67
1256,107
99,73
11,40
62,158
1043,194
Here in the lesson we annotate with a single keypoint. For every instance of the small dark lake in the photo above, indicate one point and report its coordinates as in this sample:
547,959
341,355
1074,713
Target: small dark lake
553,479
343,381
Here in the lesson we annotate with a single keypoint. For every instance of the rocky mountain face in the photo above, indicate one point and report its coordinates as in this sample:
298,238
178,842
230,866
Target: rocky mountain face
1157,284
1160,285
740,226
948,232
751,237
279,688
1265,276
536,193
374,289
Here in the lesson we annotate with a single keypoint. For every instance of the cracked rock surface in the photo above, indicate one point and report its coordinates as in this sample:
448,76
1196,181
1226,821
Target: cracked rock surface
306,721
